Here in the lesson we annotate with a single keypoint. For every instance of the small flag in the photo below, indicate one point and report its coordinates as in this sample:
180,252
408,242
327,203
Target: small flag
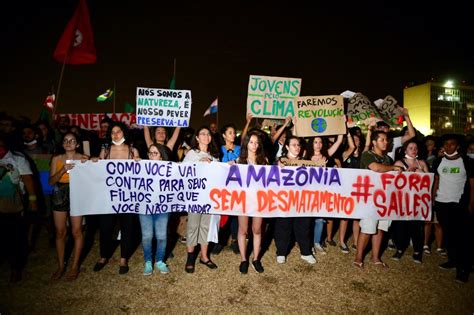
173,83
212,109
49,101
76,45
128,108
105,96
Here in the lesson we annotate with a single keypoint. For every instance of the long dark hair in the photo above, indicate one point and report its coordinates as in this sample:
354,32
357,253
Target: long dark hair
60,148
122,127
244,152
162,149
284,151
224,129
211,148
310,148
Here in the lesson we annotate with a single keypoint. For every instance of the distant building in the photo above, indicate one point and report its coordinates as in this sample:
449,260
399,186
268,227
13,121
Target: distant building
437,108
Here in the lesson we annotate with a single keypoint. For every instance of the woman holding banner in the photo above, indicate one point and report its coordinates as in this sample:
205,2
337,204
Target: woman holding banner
201,228
319,151
118,149
59,177
284,227
229,152
252,153
155,225
406,230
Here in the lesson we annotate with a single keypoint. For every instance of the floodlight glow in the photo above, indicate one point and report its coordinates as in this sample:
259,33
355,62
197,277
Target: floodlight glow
449,84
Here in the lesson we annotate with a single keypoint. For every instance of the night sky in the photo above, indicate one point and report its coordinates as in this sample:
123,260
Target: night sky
370,48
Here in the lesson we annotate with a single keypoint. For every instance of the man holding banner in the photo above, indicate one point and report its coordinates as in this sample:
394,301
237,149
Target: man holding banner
376,161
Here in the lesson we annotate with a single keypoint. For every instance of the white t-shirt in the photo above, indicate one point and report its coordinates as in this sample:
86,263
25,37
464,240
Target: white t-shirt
452,178
12,167
18,166
196,156
397,142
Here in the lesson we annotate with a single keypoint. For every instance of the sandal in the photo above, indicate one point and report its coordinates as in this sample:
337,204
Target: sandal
189,267
58,274
72,275
359,265
380,264
208,263
99,265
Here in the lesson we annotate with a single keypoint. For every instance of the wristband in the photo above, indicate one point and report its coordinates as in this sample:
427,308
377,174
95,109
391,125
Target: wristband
32,197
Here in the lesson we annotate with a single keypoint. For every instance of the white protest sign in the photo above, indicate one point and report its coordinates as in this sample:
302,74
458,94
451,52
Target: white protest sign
162,107
153,187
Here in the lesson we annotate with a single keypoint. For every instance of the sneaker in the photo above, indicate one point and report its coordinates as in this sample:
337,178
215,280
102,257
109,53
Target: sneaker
244,267
354,246
391,245
319,249
447,265
257,266
462,276
331,242
148,270
309,259
162,267
183,240
427,250
344,249
217,249
417,257
441,252
235,247
281,259
398,255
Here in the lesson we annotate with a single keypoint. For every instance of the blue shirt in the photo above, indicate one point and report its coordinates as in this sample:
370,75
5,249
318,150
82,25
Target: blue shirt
230,155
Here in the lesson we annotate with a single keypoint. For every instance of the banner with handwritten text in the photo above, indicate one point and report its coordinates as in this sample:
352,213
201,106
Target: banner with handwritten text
272,97
162,107
150,187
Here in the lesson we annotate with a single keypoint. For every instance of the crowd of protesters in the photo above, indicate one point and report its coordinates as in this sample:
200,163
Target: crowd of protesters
35,160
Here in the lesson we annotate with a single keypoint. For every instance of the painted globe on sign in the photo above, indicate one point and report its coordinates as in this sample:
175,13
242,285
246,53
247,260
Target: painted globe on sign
319,125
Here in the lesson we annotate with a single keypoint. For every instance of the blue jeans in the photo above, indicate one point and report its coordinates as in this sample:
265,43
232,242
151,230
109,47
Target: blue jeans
318,230
154,225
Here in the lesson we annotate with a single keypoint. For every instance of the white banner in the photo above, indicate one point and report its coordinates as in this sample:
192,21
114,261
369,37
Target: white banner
149,187
162,107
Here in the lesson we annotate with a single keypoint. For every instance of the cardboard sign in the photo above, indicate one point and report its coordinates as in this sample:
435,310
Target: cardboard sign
162,107
390,111
361,111
288,162
272,97
319,116
92,121
154,187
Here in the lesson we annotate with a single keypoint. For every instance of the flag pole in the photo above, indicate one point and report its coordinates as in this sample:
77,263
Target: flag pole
217,114
56,102
174,68
115,92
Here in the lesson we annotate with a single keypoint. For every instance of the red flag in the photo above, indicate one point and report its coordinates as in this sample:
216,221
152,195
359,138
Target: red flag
49,102
76,45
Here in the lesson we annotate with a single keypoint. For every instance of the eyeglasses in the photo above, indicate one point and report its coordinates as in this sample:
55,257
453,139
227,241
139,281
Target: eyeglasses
151,153
71,141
